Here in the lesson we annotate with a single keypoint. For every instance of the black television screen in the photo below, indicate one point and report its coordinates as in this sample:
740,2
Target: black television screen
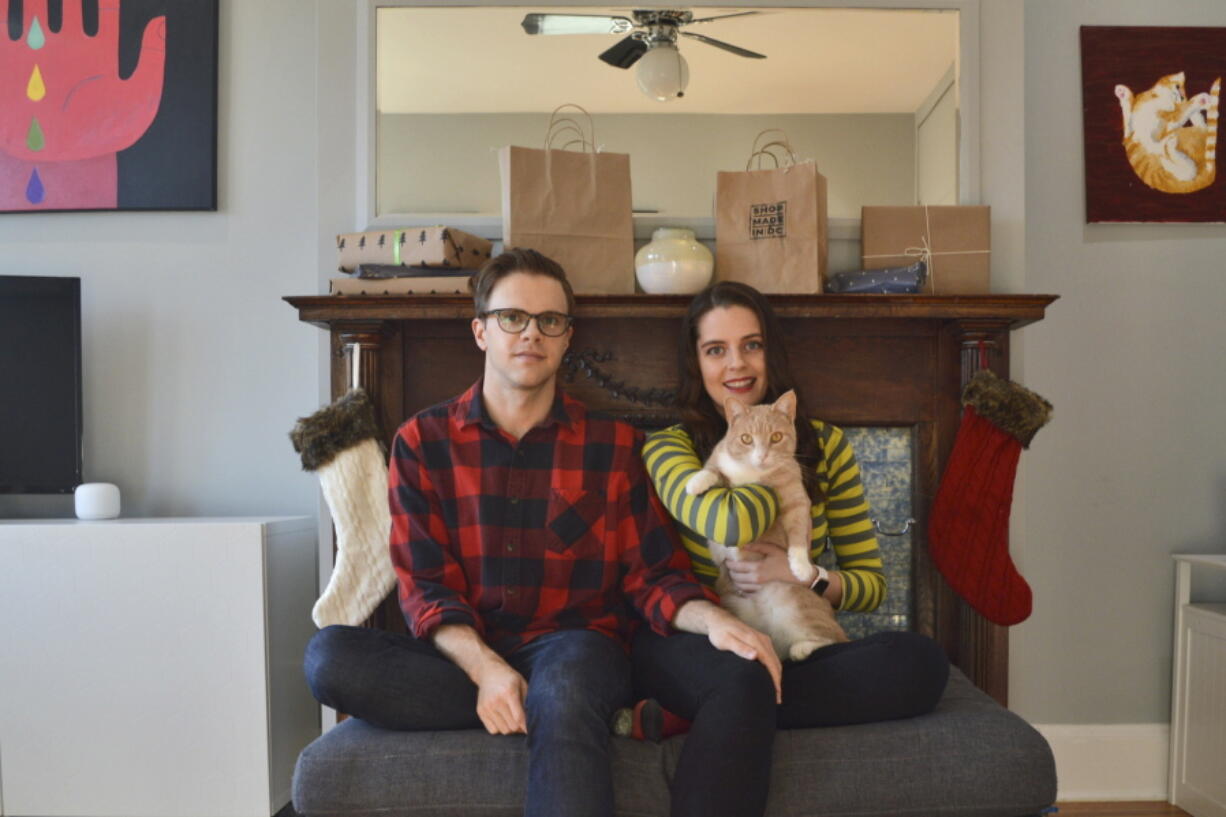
40,384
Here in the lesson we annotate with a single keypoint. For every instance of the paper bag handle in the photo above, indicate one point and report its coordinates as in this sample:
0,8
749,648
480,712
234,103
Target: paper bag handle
570,124
758,154
784,141
562,126
765,150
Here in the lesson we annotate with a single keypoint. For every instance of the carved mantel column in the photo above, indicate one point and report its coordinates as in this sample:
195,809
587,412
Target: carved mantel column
366,353
980,340
360,347
983,647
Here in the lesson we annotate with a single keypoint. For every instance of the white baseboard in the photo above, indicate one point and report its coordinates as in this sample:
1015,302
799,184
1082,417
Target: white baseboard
1127,761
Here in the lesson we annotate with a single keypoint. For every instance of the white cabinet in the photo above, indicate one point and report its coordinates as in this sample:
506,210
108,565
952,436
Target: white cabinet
153,668
1198,695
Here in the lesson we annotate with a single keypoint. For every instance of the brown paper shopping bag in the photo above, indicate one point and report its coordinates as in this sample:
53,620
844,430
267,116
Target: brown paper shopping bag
770,224
573,206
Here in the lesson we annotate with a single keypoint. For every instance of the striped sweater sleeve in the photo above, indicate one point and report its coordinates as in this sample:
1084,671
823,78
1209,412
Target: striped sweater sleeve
730,516
850,529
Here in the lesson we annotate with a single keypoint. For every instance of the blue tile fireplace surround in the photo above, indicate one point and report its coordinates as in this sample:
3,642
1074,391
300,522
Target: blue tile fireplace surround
889,369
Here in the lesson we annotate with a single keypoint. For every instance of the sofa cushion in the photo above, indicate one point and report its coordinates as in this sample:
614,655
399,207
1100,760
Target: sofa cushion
968,758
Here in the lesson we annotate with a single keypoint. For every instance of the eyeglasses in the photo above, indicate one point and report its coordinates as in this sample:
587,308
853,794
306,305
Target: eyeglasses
551,324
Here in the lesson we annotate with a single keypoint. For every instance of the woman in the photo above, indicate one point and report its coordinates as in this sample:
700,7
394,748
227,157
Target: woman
731,346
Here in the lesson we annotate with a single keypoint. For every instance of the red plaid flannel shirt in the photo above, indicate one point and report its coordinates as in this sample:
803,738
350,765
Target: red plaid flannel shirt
558,530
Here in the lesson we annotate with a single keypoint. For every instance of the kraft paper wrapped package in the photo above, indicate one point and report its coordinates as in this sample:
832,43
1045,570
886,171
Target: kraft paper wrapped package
770,224
439,246
573,206
954,242
429,285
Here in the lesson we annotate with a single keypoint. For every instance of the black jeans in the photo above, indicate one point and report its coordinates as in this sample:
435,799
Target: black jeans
725,763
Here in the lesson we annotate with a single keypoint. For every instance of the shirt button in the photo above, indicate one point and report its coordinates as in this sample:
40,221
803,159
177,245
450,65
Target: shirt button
511,591
510,548
514,500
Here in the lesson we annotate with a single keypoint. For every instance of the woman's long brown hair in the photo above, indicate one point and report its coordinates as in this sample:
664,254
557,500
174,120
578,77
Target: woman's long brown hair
699,416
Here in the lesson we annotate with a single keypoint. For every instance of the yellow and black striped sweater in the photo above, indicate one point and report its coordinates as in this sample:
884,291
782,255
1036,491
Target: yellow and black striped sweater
738,516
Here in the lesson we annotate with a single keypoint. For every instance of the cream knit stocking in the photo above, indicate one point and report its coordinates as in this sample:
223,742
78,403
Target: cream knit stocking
339,442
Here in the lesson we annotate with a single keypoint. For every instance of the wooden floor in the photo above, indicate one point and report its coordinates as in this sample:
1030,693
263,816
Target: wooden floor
1143,809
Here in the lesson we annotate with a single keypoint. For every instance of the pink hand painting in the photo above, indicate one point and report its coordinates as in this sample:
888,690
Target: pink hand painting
64,110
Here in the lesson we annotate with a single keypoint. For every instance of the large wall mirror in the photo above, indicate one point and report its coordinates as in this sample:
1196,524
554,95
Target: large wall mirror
872,94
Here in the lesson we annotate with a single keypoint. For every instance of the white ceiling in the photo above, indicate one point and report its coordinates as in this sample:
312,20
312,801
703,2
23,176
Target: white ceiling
479,60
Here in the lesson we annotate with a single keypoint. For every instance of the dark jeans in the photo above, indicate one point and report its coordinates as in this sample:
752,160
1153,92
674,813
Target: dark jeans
725,763
576,680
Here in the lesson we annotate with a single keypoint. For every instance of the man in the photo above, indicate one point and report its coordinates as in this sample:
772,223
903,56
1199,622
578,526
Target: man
527,542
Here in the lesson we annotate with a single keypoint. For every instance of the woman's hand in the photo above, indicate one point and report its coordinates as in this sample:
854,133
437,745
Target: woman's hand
757,564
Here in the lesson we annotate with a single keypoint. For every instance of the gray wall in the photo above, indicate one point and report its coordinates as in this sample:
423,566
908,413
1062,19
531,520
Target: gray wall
1133,467
194,367
432,163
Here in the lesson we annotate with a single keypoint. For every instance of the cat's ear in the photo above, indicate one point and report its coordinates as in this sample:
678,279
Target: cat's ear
786,404
733,408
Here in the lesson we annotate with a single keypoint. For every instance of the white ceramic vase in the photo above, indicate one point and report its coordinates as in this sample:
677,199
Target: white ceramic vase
674,263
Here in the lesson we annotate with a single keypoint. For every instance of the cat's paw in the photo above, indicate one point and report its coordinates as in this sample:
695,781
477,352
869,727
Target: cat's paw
701,482
803,649
802,568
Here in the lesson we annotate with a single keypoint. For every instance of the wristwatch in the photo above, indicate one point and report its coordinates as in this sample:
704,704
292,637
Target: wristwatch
821,581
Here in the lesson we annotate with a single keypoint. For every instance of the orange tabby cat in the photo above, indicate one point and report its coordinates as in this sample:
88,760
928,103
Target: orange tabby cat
1171,141
760,446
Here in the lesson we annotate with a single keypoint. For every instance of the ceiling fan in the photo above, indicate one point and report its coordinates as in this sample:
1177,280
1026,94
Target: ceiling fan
650,41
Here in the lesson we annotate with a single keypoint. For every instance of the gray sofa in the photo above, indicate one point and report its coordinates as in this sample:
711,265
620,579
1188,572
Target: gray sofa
969,758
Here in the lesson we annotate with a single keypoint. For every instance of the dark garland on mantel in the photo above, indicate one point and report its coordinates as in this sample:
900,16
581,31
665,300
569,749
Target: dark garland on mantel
586,362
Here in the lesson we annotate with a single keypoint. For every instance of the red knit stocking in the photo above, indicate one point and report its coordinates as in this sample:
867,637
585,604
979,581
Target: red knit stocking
968,533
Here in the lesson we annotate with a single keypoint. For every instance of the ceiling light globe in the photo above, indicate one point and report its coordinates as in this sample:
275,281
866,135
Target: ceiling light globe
662,73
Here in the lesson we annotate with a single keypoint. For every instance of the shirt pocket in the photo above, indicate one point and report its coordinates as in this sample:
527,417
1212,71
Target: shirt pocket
575,522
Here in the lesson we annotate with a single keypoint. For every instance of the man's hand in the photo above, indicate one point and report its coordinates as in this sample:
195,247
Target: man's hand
500,689
500,699
729,633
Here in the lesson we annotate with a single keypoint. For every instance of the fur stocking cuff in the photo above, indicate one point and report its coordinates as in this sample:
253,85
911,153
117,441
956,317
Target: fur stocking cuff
333,429
1015,410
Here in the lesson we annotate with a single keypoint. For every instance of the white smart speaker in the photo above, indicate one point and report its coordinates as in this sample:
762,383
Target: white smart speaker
97,500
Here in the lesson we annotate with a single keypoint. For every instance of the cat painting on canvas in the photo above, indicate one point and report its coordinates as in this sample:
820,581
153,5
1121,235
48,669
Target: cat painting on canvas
1171,140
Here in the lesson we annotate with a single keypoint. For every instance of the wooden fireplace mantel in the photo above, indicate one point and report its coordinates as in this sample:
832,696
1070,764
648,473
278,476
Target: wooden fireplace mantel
861,360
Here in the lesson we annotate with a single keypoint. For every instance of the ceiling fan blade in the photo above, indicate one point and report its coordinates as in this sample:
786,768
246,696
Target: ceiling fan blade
735,49
576,24
722,17
625,53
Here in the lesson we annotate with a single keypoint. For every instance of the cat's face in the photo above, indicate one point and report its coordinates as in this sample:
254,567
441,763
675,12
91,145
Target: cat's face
758,434
732,355
1172,87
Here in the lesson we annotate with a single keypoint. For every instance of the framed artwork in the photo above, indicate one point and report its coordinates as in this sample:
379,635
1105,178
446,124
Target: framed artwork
108,105
1150,119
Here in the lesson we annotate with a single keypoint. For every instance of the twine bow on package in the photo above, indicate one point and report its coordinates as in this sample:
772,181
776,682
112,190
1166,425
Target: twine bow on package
770,223
571,205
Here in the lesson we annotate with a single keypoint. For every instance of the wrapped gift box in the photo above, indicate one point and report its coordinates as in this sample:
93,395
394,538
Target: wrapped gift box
444,247
955,242
434,285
